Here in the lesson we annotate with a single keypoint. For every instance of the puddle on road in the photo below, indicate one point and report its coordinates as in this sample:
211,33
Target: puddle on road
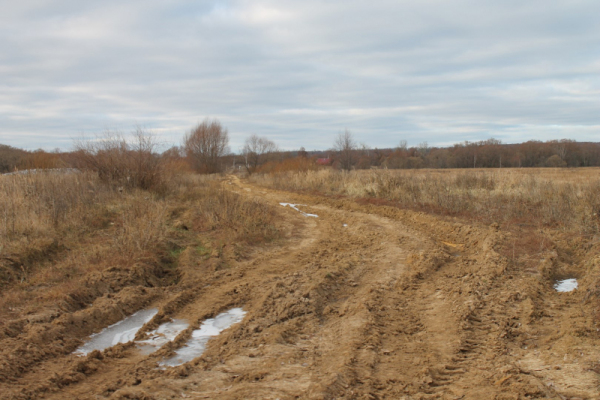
122,332
164,334
295,207
197,343
566,285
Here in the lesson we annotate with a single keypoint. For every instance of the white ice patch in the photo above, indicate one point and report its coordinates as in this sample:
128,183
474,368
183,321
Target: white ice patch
197,343
345,225
295,207
165,333
566,285
122,332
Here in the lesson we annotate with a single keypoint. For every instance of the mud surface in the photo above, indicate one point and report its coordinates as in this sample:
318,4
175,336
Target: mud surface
364,302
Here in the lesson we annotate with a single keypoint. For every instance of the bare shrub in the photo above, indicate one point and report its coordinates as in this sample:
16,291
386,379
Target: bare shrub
205,145
130,163
257,151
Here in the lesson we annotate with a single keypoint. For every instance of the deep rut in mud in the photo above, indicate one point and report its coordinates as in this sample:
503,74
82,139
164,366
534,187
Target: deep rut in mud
362,302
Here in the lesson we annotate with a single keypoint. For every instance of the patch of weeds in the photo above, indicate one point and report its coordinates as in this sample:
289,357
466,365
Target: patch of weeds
175,253
203,251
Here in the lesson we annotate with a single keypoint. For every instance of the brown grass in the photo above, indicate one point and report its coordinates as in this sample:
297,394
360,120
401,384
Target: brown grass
559,198
58,228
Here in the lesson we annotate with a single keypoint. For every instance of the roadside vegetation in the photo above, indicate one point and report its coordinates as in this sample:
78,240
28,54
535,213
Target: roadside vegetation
122,201
558,198
126,211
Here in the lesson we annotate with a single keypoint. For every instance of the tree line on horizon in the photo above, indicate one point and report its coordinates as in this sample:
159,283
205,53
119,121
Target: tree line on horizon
205,149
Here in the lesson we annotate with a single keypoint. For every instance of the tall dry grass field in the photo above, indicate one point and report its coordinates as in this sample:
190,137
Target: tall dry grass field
560,198
63,234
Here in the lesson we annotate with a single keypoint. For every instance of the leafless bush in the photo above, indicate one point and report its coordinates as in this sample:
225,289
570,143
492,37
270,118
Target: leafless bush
127,163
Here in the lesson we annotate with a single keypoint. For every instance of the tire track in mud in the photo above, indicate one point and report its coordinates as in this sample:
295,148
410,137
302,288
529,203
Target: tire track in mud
386,313
347,281
363,302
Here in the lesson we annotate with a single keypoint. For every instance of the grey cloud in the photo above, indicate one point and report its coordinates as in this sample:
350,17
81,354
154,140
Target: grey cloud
300,72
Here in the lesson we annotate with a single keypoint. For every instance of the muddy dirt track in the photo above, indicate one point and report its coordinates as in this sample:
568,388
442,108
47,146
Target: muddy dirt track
361,302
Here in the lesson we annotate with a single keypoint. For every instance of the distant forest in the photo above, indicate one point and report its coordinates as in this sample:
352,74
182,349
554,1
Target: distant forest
483,154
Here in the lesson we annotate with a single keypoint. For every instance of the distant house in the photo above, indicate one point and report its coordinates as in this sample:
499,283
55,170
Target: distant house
324,161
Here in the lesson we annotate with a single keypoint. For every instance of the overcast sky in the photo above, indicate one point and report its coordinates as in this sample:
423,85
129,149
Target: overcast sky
299,72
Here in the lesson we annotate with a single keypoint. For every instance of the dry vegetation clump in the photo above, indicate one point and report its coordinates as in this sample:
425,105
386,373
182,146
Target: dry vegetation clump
56,228
210,208
132,163
59,230
568,199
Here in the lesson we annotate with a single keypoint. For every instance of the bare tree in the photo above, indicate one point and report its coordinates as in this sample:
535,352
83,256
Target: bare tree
423,148
345,145
205,145
257,150
402,146
562,147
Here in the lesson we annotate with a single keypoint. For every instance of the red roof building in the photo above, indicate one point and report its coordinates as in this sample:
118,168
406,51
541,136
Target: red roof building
324,161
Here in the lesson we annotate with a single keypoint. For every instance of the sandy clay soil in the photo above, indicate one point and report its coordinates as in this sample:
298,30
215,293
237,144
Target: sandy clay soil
361,302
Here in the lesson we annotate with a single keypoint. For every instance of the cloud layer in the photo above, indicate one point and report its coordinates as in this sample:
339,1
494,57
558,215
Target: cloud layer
300,72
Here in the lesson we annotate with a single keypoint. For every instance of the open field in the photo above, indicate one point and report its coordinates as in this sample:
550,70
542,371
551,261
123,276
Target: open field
408,284
552,197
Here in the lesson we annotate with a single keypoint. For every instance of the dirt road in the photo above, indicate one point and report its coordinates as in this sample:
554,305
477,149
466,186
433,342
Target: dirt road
361,302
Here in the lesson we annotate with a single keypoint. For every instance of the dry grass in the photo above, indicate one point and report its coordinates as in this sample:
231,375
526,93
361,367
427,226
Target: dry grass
56,229
209,208
560,198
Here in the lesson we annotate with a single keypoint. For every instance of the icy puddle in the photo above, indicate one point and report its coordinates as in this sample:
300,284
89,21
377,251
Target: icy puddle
295,207
197,343
165,333
566,285
122,332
